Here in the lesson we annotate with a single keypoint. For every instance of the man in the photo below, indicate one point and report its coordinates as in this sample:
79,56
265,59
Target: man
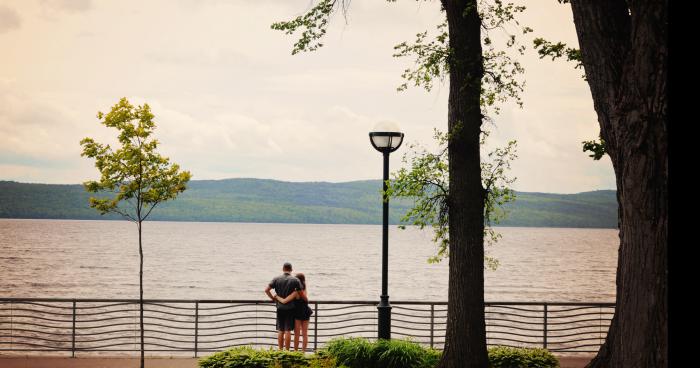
284,285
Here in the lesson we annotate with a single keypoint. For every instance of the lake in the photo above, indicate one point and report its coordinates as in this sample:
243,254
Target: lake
207,260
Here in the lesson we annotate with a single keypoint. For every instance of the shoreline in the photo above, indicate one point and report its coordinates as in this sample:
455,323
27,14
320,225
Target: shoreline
287,223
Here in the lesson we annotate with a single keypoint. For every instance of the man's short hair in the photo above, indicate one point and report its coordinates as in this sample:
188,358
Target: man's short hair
287,266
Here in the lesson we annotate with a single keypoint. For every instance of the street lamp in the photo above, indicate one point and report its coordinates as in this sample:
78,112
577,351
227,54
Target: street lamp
385,138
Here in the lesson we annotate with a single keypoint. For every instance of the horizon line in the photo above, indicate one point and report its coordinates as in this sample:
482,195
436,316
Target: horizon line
311,182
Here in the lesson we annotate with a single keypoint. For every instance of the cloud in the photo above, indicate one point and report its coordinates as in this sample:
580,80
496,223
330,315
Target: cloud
9,19
34,128
230,144
230,100
70,6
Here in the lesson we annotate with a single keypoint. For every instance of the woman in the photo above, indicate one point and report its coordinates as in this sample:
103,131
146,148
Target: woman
302,312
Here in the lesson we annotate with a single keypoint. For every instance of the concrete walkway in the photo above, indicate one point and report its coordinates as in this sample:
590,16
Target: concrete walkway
105,362
102,362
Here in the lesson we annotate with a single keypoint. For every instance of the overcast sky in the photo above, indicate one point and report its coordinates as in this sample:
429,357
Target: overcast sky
230,100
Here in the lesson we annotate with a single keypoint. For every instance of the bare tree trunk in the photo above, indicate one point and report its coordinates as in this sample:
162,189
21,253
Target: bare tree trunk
624,50
141,294
465,338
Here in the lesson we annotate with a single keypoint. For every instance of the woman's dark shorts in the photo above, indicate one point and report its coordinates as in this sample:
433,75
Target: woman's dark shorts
285,319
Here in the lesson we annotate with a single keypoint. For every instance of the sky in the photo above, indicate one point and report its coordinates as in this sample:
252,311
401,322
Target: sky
231,101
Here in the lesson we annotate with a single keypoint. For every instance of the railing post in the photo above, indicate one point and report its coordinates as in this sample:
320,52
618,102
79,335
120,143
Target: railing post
196,327
73,342
600,325
315,326
545,326
12,326
432,324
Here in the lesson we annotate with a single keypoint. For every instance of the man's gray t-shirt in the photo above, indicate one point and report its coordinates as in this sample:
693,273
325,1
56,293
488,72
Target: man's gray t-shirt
284,285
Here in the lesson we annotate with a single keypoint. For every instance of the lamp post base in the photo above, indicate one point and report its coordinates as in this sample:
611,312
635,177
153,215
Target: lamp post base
384,310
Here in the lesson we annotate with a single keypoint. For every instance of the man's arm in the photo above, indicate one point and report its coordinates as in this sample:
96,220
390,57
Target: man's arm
269,294
288,299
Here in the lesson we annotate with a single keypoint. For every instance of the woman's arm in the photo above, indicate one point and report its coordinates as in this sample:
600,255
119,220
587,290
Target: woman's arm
288,299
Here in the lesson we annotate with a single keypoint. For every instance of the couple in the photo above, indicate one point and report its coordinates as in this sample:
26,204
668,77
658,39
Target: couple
293,310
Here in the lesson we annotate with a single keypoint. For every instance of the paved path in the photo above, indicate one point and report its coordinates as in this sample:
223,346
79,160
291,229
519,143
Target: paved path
57,362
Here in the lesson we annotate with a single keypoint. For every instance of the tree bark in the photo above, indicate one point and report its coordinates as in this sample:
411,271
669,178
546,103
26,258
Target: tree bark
624,51
465,337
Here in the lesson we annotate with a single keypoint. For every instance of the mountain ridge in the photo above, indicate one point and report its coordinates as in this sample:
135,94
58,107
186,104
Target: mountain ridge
270,200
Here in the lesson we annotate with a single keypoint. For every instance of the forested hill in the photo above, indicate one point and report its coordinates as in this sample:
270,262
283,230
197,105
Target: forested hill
258,200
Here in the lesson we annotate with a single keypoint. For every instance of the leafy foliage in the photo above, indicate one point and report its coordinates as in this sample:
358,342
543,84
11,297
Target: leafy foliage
358,352
247,357
502,71
354,352
426,181
596,148
399,354
502,79
509,357
313,25
137,176
431,58
558,50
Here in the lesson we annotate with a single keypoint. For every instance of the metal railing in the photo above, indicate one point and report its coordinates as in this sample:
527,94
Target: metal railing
202,326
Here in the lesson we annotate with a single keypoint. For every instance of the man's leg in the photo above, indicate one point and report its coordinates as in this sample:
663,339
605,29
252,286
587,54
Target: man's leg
280,339
297,331
280,329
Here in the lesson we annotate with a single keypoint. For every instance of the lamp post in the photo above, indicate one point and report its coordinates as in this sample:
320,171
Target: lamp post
385,138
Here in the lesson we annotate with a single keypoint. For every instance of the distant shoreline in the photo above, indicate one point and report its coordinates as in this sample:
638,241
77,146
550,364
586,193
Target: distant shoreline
288,223
278,202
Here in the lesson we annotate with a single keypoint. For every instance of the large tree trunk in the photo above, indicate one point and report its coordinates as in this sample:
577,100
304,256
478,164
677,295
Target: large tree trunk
465,338
624,50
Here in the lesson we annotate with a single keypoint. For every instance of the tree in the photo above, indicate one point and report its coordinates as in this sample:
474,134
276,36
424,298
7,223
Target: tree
478,77
137,177
624,52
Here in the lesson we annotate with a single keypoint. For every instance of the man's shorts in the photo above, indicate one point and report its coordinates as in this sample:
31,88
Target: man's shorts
285,319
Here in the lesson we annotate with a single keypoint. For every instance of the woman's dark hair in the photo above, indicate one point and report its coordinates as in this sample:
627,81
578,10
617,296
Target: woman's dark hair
301,278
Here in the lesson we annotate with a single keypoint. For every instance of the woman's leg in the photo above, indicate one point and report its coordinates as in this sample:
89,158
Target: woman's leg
305,334
297,330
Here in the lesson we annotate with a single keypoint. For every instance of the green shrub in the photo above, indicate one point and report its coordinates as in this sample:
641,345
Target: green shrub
432,357
354,352
247,357
398,354
360,353
507,357
323,360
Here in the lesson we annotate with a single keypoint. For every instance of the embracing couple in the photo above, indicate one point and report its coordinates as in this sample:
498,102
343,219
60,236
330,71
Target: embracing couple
293,310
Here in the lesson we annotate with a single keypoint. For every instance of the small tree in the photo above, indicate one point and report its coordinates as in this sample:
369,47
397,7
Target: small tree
134,178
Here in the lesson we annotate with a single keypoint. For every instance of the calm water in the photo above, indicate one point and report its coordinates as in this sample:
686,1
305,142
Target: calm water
190,260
